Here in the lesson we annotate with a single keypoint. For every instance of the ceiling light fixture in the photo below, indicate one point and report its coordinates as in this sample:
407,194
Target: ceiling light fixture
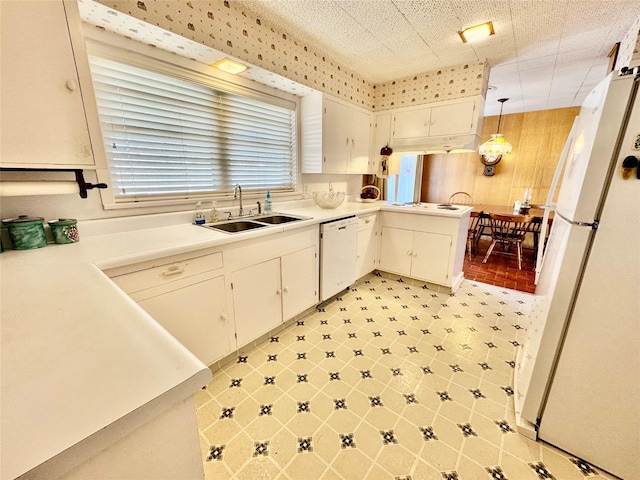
477,32
493,149
230,66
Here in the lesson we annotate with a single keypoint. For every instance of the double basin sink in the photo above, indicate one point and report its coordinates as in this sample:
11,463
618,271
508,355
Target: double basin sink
259,221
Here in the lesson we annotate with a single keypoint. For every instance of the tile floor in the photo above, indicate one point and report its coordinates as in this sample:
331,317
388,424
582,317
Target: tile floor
392,380
501,270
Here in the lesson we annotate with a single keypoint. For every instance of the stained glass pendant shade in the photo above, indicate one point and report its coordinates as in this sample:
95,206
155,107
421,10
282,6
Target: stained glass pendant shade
493,149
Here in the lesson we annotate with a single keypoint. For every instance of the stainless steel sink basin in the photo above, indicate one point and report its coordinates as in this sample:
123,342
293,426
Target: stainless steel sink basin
259,221
235,226
277,218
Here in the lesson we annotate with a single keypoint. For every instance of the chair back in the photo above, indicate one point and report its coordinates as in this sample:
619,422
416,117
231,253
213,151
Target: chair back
509,228
460,198
474,220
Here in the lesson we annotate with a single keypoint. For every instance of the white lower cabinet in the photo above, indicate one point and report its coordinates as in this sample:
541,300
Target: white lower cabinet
423,246
419,255
430,257
269,293
367,245
396,247
257,300
196,316
186,295
299,282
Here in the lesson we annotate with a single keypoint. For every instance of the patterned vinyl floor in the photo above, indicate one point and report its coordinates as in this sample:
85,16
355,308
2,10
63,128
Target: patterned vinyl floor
392,380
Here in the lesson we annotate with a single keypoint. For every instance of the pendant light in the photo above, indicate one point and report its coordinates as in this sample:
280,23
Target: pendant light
493,149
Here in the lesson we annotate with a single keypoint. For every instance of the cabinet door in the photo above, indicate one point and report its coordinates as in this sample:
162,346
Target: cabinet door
360,142
366,256
381,138
257,300
453,119
430,257
412,123
396,250
196,316
43,119
299,281
336,137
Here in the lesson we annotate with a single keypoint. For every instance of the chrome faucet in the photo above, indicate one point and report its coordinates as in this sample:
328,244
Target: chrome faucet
237,193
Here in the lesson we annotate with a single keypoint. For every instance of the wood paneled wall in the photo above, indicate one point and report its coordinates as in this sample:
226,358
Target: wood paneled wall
537,138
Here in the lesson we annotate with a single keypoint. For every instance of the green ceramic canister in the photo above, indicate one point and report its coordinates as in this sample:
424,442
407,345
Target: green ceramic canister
26,232
64,230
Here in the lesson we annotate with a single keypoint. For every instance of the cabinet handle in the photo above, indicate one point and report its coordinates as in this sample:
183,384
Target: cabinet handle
353,142
278,292
415,254
285,290
347,140
71,85
173,270
408,253
223,317
368,220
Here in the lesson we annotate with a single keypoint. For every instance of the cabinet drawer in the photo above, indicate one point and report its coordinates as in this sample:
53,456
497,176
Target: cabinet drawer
367,221
170,272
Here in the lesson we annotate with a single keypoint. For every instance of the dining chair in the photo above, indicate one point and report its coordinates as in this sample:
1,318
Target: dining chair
535,227
460,198
508,231
473,231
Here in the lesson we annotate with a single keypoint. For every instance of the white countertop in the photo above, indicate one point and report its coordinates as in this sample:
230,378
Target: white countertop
78,354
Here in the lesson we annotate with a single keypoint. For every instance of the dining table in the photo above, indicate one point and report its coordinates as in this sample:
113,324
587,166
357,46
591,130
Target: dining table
535,215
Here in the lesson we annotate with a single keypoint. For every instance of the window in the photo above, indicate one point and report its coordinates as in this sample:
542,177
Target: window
403,186
177,135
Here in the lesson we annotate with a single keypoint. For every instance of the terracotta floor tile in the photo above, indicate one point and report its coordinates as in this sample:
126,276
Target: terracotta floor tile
501,270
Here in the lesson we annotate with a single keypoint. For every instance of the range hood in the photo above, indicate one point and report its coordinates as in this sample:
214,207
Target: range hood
442,144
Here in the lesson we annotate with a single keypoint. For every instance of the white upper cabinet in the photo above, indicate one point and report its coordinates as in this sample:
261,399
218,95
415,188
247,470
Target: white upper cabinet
381,138
43,116
360,141
414,123
447,125
454,118
335,136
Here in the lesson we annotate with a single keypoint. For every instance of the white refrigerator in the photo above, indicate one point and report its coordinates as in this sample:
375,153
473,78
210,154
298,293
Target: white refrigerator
577,376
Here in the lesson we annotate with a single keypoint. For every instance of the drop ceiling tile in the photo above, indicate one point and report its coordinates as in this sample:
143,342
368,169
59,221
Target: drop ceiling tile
546,63
504,72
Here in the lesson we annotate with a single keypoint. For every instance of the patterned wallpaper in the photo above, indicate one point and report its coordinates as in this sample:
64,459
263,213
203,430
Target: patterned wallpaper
445,84
225,26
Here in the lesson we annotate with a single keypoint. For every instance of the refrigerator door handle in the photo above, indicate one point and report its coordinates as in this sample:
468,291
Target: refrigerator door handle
593,225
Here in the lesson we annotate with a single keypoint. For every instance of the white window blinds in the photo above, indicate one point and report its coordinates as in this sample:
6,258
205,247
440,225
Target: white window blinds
172,137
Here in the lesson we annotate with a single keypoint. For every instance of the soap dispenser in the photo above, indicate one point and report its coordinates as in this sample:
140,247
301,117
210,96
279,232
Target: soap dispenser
267,202
199,217
214,212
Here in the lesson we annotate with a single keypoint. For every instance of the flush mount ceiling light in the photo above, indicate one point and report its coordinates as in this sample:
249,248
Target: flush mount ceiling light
477,32
229,66
493,149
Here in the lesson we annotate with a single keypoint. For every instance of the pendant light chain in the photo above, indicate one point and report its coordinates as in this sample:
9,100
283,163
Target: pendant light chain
501,100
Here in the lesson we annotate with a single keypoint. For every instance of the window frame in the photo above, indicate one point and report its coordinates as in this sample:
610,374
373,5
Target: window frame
114,47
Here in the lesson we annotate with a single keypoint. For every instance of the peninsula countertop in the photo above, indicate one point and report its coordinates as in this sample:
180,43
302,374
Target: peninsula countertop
64,324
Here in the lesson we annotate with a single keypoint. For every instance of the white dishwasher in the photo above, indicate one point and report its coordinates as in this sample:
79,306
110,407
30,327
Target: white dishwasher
338,253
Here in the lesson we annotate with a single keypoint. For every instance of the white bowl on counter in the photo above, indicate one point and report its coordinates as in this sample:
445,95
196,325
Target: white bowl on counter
328,199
